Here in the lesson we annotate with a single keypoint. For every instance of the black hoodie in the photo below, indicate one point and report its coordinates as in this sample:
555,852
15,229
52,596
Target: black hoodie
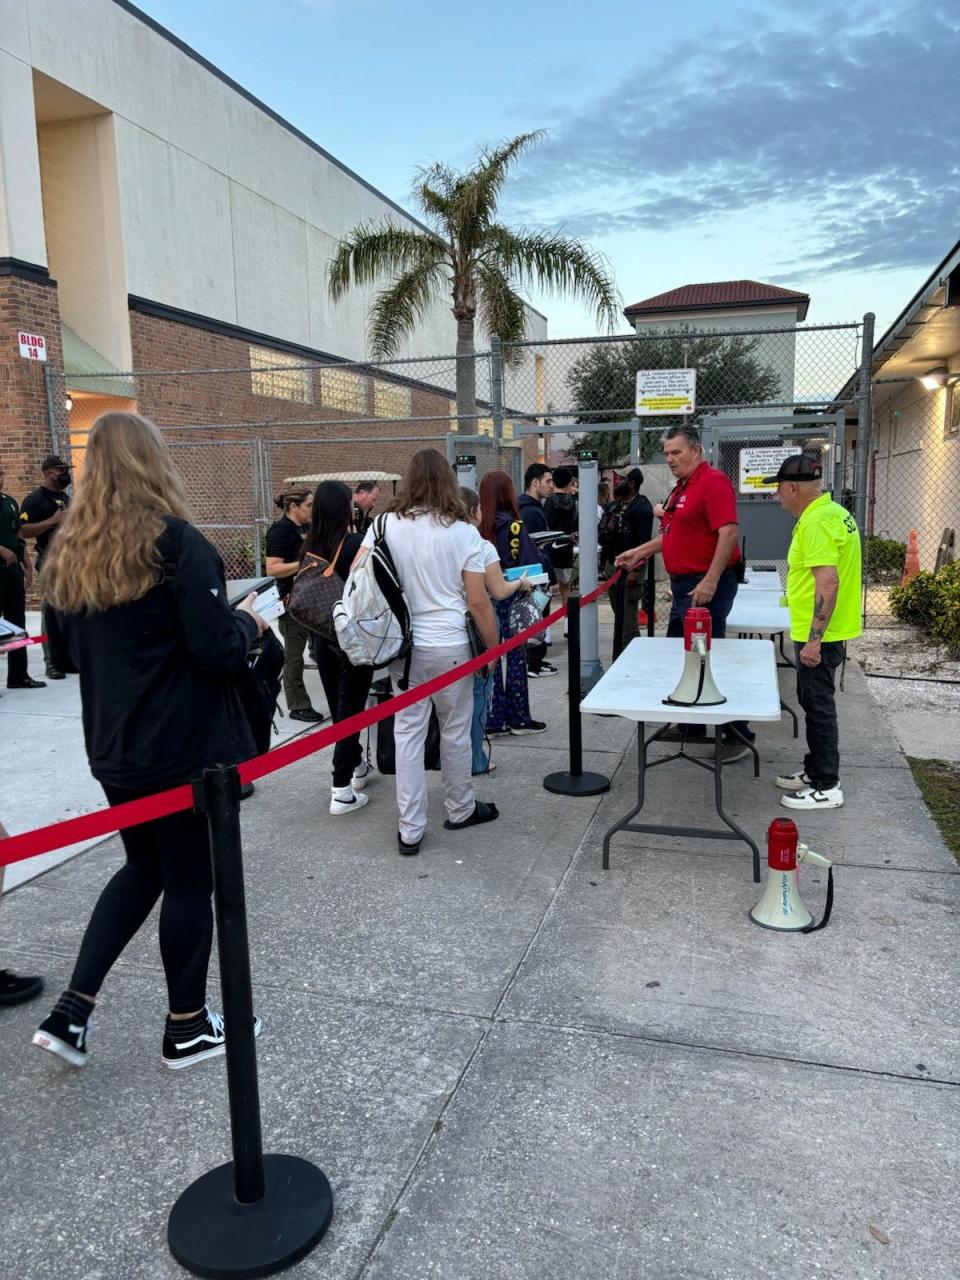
562,514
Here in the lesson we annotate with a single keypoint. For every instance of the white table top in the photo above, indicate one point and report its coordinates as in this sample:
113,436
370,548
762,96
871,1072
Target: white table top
649,670
761,580
759,611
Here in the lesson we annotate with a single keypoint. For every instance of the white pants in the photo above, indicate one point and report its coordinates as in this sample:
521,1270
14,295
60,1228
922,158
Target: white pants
454,711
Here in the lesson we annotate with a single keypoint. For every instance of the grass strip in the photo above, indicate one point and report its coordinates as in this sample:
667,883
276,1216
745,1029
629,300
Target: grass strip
939,783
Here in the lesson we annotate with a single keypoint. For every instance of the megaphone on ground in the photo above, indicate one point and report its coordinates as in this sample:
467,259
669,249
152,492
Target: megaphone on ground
780,906
696,687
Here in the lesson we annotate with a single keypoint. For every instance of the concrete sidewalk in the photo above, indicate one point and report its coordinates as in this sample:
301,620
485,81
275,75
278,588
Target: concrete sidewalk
513,1065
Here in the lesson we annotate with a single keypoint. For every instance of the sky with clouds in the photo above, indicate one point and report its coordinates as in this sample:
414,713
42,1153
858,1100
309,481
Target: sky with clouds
813,146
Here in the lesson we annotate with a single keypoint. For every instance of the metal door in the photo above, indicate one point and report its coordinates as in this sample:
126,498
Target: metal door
764,524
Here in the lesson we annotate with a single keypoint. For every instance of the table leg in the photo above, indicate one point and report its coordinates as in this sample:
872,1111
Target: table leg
718,797
641,786
793,716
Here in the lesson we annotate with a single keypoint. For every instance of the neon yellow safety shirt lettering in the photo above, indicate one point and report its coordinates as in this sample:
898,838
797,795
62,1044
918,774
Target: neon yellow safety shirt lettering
825,535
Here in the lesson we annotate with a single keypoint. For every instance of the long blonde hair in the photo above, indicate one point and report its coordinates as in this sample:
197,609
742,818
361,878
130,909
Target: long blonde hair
105,551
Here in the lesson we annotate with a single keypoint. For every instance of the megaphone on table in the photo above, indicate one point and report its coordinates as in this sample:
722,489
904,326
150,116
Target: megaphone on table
780,906
697,687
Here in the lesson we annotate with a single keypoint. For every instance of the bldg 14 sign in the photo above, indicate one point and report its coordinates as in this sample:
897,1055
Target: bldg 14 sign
666,391
32,346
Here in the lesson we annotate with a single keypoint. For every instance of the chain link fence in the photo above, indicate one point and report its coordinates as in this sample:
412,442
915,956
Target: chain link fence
240,434
913,483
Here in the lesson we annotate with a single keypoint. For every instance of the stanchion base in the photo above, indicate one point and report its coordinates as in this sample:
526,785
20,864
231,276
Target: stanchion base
583,784
211,1234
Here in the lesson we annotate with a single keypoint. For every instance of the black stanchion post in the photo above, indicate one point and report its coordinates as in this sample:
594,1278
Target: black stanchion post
574,782
650,596
256,1214
619,612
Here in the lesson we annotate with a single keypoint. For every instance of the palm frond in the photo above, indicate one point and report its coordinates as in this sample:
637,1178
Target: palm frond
501,309
558,264
378,249
398,310
488,177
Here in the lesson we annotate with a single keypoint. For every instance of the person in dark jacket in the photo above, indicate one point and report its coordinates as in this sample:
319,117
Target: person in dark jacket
136,604
538,487
331,535
562,513
500,524
630,521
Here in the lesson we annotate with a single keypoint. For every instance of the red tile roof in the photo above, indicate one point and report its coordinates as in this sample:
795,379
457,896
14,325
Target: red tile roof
717,296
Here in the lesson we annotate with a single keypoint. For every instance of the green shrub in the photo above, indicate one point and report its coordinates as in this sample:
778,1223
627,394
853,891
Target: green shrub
884,559
946,620
932,601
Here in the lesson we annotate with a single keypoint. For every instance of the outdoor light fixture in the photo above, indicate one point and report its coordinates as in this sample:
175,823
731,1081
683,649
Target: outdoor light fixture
68,402
934,379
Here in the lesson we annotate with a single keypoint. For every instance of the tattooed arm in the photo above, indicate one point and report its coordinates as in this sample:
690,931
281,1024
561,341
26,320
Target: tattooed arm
826,585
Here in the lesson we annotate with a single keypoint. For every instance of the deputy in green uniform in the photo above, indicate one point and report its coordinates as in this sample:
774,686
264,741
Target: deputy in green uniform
15,574
824,597
43,509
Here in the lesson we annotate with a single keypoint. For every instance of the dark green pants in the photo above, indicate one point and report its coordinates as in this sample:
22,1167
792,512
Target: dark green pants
295,637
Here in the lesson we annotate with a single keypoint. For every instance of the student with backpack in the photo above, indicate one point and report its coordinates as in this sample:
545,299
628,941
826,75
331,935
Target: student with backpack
438,561
501,525
625,523
329,550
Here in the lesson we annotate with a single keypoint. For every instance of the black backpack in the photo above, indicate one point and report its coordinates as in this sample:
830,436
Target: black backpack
613,531
259,688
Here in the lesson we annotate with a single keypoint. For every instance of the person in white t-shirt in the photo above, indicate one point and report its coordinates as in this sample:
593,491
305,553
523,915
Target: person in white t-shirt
440,562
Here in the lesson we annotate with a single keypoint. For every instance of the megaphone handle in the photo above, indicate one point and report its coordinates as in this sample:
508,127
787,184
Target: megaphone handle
828,907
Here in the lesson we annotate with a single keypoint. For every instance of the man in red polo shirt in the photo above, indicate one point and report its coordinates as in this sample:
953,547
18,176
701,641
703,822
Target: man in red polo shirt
699,541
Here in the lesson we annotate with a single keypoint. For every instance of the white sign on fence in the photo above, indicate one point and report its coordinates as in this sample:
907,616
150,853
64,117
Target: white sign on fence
666,391
32,346
759,462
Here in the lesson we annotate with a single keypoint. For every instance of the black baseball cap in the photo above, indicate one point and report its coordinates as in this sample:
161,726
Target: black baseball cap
799,466
54,463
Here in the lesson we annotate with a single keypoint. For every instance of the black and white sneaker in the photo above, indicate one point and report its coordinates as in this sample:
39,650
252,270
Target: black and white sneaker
792,781
186,1043
64,1032
535,726
546,669
811,798
15,988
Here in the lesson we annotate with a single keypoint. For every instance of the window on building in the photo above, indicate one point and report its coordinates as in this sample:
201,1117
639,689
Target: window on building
390,400
341,389
279,375
951,419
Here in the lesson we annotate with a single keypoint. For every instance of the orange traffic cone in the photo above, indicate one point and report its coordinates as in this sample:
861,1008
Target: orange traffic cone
911,565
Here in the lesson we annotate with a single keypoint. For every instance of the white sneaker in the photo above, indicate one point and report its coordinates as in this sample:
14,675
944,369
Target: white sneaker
811,798
792,781
346,800
361,775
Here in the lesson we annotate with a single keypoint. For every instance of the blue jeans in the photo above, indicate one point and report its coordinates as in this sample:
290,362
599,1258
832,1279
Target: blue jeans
681,585
482,689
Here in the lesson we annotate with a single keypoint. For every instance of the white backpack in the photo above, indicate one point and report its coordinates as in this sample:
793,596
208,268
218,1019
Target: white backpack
372,620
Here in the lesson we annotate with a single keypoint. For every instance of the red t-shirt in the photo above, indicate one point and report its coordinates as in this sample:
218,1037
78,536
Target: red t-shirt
695,510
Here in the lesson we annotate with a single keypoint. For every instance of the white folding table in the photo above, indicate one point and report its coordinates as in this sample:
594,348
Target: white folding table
761,580
645,674
760,613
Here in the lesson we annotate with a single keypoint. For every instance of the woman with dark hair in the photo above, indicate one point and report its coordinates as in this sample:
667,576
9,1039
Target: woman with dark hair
501,525
330,535
439,560
284,547
136,603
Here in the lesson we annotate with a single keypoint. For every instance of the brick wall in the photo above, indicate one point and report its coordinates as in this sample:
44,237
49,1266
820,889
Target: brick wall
24,432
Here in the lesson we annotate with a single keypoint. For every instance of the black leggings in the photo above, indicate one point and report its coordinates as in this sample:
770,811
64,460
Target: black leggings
169,856
346,688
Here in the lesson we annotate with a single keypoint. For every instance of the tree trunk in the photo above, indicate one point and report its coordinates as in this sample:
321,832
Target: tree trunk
466,378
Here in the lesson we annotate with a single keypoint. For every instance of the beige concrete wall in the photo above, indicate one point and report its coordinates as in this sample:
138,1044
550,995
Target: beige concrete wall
78,169
21,208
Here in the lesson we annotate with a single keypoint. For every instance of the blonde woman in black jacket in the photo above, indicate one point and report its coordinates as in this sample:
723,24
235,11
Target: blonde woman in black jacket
136,603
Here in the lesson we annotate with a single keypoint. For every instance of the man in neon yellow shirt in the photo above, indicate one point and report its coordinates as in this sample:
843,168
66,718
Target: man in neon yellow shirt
823,594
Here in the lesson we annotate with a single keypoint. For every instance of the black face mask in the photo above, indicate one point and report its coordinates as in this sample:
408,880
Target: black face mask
63,479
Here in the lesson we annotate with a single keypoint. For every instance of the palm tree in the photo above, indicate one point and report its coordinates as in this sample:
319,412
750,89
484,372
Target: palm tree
466,253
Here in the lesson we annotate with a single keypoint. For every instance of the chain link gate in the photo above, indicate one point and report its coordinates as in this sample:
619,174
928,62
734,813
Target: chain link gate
765,527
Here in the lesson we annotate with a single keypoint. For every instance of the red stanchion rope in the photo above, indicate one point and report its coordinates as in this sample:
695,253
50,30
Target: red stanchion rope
30,844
